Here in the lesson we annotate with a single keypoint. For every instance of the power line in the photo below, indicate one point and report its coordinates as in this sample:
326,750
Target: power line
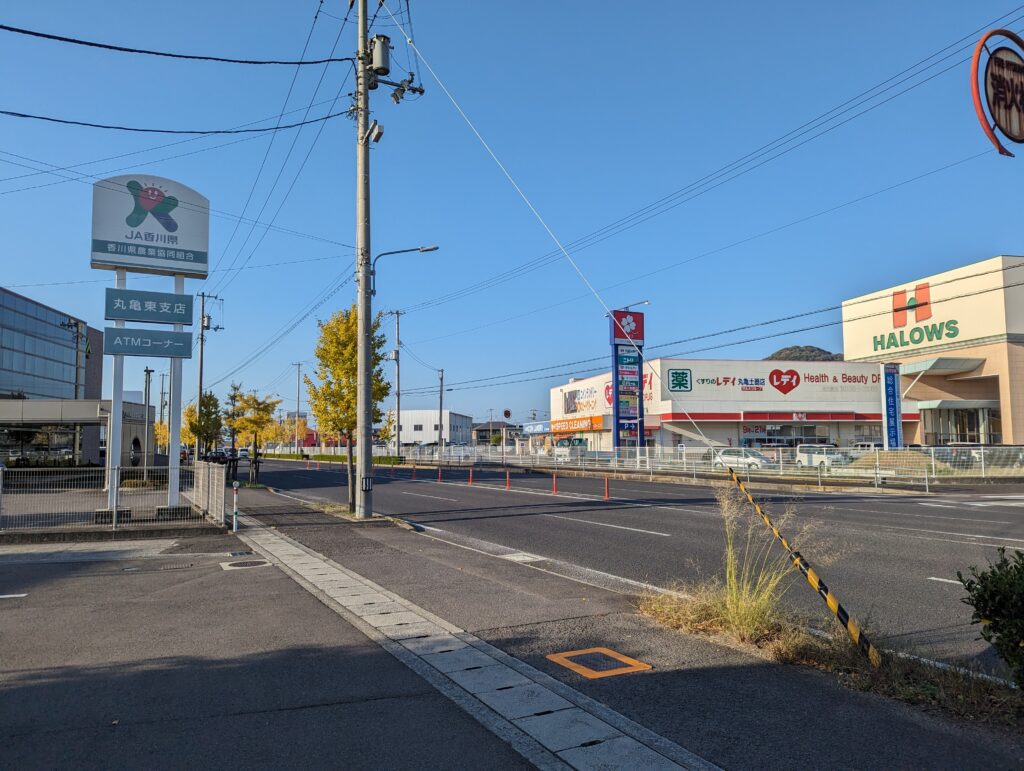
190,205
284,163
140,152
136,129
165,54
754,325
723,175
273,137
717,250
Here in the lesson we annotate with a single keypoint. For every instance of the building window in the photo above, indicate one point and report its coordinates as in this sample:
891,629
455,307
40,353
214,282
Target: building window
436,426
417,426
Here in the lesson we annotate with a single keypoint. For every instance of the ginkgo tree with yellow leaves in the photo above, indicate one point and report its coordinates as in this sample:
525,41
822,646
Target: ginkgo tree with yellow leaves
332,396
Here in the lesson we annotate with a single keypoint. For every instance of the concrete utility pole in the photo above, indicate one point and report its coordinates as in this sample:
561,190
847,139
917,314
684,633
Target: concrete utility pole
204,324
440,415
364,399
298,378
145,437
398,386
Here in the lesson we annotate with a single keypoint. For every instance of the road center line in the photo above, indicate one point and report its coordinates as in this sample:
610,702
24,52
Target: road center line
11,596
605,524
435,497
923,516
944,580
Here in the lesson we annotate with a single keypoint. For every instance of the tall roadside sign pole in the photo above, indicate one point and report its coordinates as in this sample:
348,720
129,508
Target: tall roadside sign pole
364,399
298,379
147,224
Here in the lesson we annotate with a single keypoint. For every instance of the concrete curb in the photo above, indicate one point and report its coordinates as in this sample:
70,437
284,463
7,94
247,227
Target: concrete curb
106,534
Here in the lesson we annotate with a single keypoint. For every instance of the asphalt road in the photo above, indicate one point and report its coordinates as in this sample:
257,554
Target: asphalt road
891,560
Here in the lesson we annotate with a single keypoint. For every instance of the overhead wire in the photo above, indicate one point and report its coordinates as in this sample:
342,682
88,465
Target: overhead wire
182,203
273,137
165,54
140,130
725,174
486,381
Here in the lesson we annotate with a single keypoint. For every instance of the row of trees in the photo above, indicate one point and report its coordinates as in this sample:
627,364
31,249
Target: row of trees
332,398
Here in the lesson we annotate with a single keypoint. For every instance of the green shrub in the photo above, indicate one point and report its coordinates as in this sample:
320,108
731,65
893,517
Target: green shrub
997,596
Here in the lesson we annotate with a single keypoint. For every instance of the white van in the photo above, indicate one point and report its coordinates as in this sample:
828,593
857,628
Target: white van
823,455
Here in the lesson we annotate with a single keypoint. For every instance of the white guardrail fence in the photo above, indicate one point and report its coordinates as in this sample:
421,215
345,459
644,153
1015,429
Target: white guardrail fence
73,498
920,465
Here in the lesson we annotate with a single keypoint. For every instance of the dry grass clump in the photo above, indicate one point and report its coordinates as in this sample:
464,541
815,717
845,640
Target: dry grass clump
745,607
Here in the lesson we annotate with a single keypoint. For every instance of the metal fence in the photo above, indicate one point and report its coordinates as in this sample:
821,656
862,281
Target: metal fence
121,497
921,465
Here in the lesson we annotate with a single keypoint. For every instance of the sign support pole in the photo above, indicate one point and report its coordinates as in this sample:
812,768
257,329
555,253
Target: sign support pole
116,407
174,416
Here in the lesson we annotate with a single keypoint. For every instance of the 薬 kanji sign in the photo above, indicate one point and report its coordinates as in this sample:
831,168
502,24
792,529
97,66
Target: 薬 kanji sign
128,341
157,307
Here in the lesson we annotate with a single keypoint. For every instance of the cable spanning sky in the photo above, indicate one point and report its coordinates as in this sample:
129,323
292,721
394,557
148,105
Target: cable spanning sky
675,153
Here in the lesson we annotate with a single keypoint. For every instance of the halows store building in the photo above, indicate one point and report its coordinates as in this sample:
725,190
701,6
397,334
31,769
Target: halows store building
735,403
959,336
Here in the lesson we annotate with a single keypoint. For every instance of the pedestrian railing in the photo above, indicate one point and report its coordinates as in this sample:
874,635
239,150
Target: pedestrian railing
921,465
121,497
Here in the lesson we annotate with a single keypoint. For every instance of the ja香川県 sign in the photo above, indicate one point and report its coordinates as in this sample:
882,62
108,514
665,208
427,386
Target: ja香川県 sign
892,408
150,224
129,341
156,307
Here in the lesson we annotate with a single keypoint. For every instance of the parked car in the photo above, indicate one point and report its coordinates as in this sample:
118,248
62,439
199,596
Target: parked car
243,453
821,455
217,456
741,457
569,449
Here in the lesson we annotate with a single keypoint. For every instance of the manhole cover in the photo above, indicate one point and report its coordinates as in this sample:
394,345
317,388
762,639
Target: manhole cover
243,564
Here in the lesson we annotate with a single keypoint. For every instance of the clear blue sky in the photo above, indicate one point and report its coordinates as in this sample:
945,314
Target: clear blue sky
597,109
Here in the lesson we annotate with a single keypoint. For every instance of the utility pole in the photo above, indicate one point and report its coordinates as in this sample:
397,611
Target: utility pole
298,376
440,416
204,324
364,399
163,375
398,384
145,440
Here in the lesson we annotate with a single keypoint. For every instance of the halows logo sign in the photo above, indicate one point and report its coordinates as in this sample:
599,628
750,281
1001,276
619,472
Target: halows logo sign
920,305
151,200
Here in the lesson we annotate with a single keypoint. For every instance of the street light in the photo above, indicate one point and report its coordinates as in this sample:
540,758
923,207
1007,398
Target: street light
373,265
627,307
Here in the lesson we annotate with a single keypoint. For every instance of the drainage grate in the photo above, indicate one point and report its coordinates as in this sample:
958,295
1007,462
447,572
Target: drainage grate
243,564
178,566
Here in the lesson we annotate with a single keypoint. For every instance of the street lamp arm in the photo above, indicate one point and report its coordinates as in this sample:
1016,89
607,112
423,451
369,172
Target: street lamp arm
373,264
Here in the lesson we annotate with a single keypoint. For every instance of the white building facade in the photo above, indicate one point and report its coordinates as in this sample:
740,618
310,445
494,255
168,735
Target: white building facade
420,427
734,404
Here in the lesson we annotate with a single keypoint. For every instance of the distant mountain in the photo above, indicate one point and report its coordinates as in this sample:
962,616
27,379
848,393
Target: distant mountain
803,353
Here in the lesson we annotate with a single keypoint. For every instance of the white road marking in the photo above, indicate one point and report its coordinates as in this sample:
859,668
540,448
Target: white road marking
11,596
924,516
944,580
946,532
435,497
605,524
936,505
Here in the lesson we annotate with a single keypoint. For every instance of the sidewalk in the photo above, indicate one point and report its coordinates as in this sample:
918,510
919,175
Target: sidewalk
725,706
151,655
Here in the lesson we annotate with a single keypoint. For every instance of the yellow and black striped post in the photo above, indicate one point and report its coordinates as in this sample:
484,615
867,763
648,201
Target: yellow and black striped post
849,624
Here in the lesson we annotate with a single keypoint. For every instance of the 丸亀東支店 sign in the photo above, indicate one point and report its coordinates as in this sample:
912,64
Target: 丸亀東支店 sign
128,341
157,307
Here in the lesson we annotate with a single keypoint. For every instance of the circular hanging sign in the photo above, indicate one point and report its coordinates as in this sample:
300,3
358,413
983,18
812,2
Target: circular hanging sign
1004,92
1003,89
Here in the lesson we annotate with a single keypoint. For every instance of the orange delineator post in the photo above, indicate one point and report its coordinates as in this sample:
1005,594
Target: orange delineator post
307,464
554,484
392,469
438,472
318,465
606,496
470,476
508,481
414,472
